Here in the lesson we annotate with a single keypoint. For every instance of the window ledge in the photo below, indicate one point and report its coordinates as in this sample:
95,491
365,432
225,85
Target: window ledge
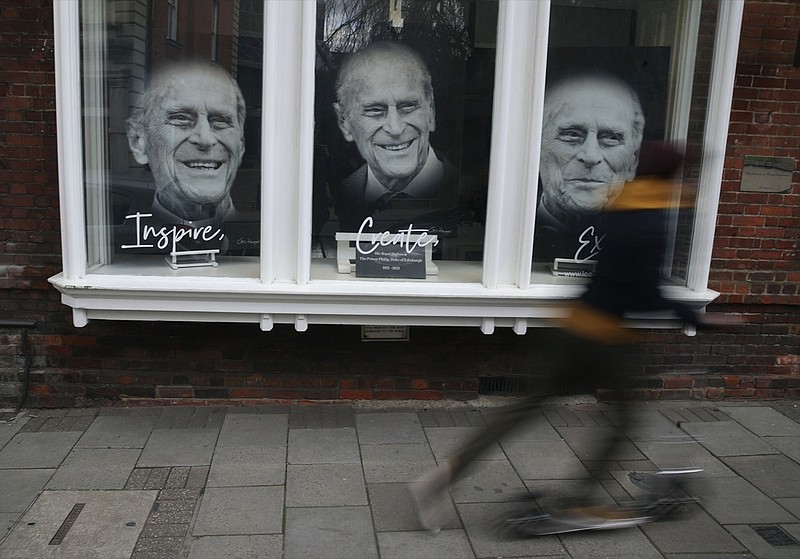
204,298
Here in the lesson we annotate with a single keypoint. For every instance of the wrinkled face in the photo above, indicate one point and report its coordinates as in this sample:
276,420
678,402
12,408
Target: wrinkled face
193,140
588,147
389,117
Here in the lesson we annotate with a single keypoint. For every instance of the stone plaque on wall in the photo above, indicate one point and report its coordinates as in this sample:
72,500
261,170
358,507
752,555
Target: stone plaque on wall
767,174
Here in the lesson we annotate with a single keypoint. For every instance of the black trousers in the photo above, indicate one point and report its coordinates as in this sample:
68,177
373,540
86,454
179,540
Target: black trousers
576,362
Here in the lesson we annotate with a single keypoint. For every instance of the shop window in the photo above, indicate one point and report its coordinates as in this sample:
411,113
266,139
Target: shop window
207,178
403,123
641,75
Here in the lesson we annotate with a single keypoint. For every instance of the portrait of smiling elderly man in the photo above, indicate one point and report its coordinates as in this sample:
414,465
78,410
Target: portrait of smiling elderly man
385,105
591,136
188,127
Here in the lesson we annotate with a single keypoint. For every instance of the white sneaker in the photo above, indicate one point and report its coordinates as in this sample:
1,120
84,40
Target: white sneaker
430,496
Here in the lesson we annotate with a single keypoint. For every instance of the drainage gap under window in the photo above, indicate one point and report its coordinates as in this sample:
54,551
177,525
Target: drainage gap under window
515,386
775,535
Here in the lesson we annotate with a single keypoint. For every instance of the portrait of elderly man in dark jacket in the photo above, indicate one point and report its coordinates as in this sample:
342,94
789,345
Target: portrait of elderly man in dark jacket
385,105
188,128
591,136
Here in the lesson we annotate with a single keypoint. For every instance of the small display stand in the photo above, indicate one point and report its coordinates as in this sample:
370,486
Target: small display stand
192,258
568,267
346,252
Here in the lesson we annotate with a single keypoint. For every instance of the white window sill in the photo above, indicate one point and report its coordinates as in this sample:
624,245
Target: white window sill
135,290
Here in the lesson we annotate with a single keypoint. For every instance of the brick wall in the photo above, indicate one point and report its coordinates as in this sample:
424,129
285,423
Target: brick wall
756,258
755,266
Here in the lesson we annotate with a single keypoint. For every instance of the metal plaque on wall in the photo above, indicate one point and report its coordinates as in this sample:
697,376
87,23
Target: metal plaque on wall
767,174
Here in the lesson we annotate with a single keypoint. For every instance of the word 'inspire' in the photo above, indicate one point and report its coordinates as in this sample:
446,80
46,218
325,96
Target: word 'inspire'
408,238
166,236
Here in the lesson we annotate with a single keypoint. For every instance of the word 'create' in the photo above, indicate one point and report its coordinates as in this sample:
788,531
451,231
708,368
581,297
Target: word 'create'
408,238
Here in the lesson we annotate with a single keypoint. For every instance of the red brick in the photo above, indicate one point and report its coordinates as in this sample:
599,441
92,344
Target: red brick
355,394
174,392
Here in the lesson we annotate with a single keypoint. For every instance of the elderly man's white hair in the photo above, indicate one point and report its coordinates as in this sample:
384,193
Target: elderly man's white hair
154,90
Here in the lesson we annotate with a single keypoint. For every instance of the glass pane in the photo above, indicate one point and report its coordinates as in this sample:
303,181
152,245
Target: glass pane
172,94
628,81
403,120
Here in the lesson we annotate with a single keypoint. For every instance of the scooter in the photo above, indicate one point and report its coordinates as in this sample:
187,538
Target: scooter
666,495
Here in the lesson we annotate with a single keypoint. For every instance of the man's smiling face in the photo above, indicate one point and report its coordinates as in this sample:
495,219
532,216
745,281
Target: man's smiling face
390,117
194,140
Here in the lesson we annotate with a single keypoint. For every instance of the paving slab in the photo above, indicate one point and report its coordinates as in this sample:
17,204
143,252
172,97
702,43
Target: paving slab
95,468
489,481
37,450
729,555
391,463
727,438
534,428
584,442
239,466
254,429
544,460
323,446
776,475
619,544
236,547
179,447
764,421
7,521
106,526
446,442
20,487
734,500
10,428
792,504
790,446
231,511
693,532
393,509
325,485
652,425
325,532
389,428
118,432
453,544
761,548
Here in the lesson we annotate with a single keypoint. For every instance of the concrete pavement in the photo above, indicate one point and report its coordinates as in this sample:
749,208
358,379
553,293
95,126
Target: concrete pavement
329,481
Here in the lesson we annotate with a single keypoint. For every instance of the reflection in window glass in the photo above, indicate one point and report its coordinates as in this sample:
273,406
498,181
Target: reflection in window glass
607,92
403,120
170,164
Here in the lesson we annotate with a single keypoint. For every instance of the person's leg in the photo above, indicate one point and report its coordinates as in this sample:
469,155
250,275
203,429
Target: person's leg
430,491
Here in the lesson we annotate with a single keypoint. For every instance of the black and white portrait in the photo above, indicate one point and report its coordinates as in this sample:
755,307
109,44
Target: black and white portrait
593,126
187,127
385,105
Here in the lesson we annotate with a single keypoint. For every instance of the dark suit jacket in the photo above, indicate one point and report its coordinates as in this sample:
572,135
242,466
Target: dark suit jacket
348,200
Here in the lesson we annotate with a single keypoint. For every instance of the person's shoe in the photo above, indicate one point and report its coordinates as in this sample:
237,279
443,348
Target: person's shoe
429,494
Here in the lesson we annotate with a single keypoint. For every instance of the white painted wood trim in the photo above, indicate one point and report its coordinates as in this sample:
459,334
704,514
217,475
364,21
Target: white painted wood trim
720,97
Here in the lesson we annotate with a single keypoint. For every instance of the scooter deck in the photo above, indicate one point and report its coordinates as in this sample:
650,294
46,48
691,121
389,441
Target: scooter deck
547,524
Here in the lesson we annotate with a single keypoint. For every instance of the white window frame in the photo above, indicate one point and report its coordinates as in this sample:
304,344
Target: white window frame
172,20
286,291
214,28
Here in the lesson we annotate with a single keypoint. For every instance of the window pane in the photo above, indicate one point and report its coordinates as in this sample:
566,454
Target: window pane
626,82
403,120
172,136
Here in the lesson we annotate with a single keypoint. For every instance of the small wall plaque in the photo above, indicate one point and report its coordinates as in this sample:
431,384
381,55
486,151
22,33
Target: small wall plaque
384,333
767,174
